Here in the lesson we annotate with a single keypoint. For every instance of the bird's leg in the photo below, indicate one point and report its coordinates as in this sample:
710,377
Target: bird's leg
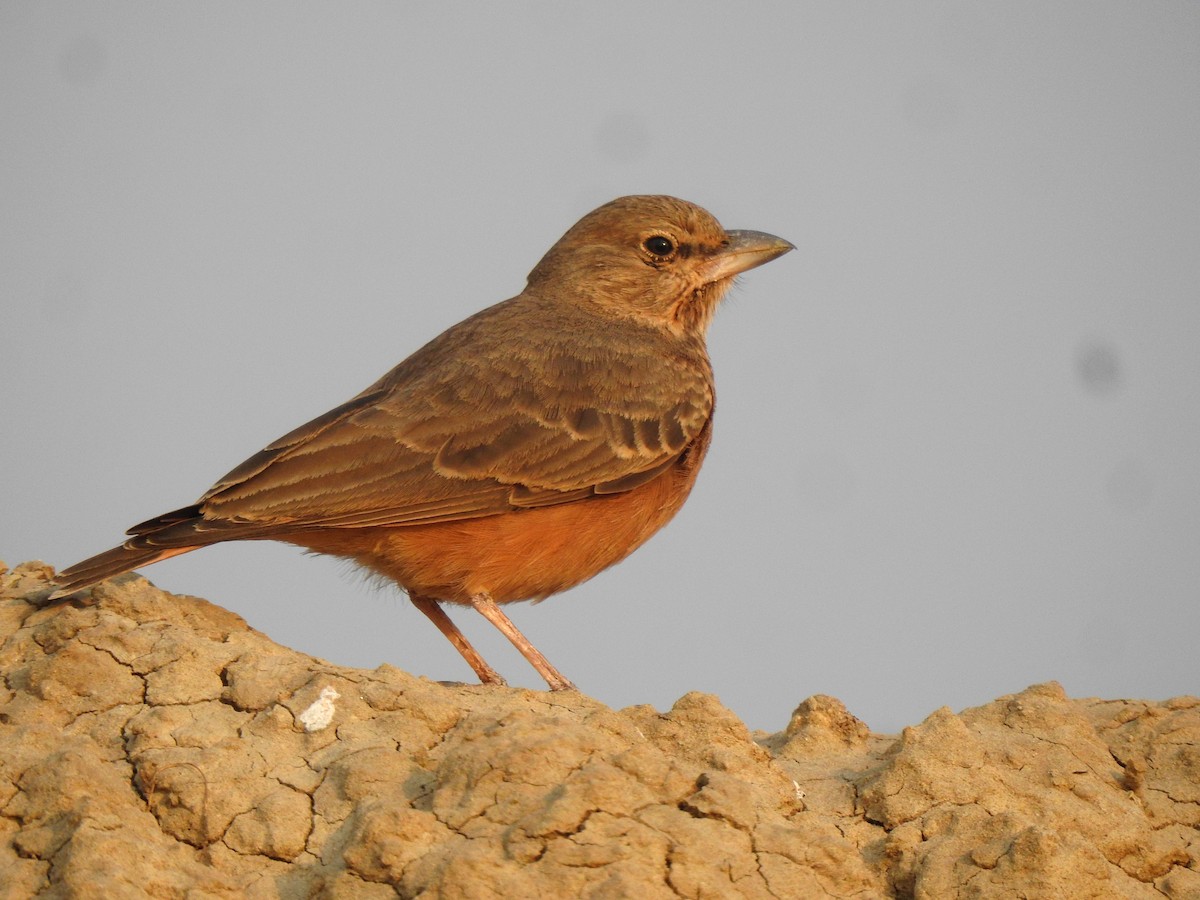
438,617
489,610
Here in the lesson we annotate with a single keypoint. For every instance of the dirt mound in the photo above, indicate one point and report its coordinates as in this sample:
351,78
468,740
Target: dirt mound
155,745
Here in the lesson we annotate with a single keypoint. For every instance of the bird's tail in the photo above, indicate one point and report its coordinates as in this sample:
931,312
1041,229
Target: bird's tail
109,563
156,539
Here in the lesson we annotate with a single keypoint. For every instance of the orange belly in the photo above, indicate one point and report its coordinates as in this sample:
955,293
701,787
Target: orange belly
522,555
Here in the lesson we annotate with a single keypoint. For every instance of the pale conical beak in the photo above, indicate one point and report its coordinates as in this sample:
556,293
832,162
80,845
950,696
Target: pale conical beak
743,251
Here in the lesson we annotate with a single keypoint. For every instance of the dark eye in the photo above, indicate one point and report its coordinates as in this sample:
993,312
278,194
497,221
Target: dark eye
659,245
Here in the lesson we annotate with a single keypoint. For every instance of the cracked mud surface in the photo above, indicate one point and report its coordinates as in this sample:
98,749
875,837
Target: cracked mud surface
155,746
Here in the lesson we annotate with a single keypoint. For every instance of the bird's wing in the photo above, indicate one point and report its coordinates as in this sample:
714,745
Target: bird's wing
502,431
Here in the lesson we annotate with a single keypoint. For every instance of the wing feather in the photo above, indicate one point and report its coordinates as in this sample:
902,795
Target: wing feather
475,424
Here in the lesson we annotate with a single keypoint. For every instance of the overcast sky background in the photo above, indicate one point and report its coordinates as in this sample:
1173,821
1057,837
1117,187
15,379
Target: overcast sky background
957,446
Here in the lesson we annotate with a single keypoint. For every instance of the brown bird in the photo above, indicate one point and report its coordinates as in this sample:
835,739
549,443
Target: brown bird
516,455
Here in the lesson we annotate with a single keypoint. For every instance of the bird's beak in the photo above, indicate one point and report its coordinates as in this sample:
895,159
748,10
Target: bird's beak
744,250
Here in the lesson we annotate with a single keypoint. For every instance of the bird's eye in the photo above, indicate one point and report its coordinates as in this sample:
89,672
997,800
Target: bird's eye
659,245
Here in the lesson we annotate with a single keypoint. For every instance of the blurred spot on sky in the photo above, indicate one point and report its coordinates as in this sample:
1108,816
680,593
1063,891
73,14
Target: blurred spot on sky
1098,367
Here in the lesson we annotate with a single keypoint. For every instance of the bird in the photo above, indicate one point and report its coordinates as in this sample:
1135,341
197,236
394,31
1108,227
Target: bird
517,454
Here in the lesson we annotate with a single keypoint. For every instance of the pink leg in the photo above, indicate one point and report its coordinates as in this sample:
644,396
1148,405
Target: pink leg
490,611
438,617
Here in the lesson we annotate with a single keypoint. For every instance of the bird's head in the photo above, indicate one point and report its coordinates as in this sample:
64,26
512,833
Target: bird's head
653,258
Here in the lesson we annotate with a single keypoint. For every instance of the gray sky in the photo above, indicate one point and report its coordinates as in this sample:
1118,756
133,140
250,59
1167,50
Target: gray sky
958,434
